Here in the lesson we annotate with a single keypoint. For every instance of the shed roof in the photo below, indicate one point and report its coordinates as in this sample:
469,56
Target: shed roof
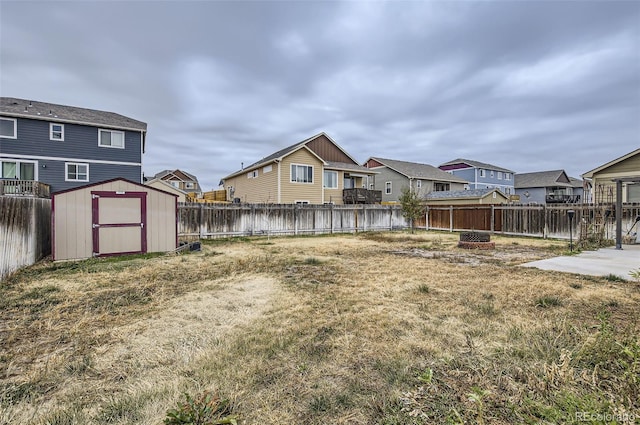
463,194
14,107
415,170
476,164
142,186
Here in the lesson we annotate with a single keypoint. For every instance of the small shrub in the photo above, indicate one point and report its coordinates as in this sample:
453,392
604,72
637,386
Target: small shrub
635,274
614,278
423,288
311,261
548,301
204,409
575,285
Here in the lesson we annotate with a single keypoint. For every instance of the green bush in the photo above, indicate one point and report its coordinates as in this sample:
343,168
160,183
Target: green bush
204,409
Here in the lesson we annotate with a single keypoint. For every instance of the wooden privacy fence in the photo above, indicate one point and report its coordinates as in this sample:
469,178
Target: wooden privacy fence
224,220
547,221
25,232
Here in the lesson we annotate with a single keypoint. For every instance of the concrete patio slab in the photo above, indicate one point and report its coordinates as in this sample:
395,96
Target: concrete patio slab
602,262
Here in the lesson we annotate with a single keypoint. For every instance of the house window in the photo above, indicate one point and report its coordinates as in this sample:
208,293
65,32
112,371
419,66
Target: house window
111,139
76,172
507,190
418,184
495,195
267,169
440,187
387,188
56,132
499,175
175,184
8,128
18,170
330,180
507,176
252,174
491,174
301,173
189,185
302,202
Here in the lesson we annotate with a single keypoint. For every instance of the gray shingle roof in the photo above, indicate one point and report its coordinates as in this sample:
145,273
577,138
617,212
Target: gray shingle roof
540,179
459,194
477,164
163,173
414,170
349,167
14,107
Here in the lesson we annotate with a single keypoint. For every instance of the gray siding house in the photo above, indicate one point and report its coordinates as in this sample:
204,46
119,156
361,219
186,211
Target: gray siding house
66,146
421,178
548,187
481,175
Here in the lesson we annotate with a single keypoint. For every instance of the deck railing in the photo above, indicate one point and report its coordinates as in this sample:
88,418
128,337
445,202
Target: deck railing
361,196
11,187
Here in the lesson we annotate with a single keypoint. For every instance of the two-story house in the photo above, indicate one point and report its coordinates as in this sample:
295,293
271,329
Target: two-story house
602,179
62,147
313,171
481,175
182,180
394,175
547,187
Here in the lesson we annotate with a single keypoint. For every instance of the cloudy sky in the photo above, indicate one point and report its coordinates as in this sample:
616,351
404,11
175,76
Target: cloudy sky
525,85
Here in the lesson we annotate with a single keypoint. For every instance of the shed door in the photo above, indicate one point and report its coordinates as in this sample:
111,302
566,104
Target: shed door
119,223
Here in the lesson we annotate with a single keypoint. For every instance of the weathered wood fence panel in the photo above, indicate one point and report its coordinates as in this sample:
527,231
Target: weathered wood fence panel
532,220
25,232
209,221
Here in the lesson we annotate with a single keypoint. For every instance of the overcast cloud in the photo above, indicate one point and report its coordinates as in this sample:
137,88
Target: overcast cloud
529,86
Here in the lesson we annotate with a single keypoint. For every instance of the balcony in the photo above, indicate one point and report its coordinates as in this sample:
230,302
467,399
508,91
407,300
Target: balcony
32,188
562,199
361,196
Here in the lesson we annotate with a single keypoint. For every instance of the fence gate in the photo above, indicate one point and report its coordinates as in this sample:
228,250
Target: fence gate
119,222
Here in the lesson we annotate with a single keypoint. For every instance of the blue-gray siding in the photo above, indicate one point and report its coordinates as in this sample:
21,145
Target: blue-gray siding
473,174
80,141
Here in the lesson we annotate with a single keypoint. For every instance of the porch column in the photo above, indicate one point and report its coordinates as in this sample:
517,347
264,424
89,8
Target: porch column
618,214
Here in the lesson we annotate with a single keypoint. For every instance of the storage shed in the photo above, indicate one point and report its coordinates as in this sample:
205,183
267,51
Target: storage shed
113,217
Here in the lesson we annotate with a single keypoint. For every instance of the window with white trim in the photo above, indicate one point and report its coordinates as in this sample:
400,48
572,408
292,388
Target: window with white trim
252,174
189,185
441,187
19,170
418,184
8,128
499,175
483,172
507,176
111,139
491,174
267,169
387,188
330,179
56,132
75,172
301,173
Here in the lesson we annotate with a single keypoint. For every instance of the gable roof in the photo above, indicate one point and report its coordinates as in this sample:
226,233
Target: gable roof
541,179
144,186
14,107
288,151
464,194
476,164
348,167
176,173
415,170
169,186
589,174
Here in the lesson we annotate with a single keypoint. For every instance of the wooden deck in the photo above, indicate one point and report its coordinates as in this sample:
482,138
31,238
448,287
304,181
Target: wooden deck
361,196
32,188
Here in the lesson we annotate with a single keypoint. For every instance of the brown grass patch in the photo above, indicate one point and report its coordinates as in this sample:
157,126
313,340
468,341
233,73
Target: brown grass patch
386,328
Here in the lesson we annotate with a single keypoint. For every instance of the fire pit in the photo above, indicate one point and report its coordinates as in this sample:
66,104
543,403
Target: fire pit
476,240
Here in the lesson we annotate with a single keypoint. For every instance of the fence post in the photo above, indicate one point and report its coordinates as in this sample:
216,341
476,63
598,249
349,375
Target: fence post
426,218
295,218
331,217
364,217
451,218
545,230
390,217
493,215
252,216
201,221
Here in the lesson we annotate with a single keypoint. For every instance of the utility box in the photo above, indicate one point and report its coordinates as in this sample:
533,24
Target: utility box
113,217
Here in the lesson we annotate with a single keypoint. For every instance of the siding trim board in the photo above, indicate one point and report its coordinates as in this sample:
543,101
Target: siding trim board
58,158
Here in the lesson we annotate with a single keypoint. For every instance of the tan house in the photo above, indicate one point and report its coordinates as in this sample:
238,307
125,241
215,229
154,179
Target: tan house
181,180
467,197
168,187
603,186
313,171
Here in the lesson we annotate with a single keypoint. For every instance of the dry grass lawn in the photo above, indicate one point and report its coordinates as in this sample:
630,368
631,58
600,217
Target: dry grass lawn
375,328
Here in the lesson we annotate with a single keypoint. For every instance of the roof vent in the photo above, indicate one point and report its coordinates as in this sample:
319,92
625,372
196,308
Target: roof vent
50,112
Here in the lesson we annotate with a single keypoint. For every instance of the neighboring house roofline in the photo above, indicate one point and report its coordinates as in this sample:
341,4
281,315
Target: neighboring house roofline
464,194
281,154
23,108
86,186
589,174
394,165
541,179
343,166
477,164
169,185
